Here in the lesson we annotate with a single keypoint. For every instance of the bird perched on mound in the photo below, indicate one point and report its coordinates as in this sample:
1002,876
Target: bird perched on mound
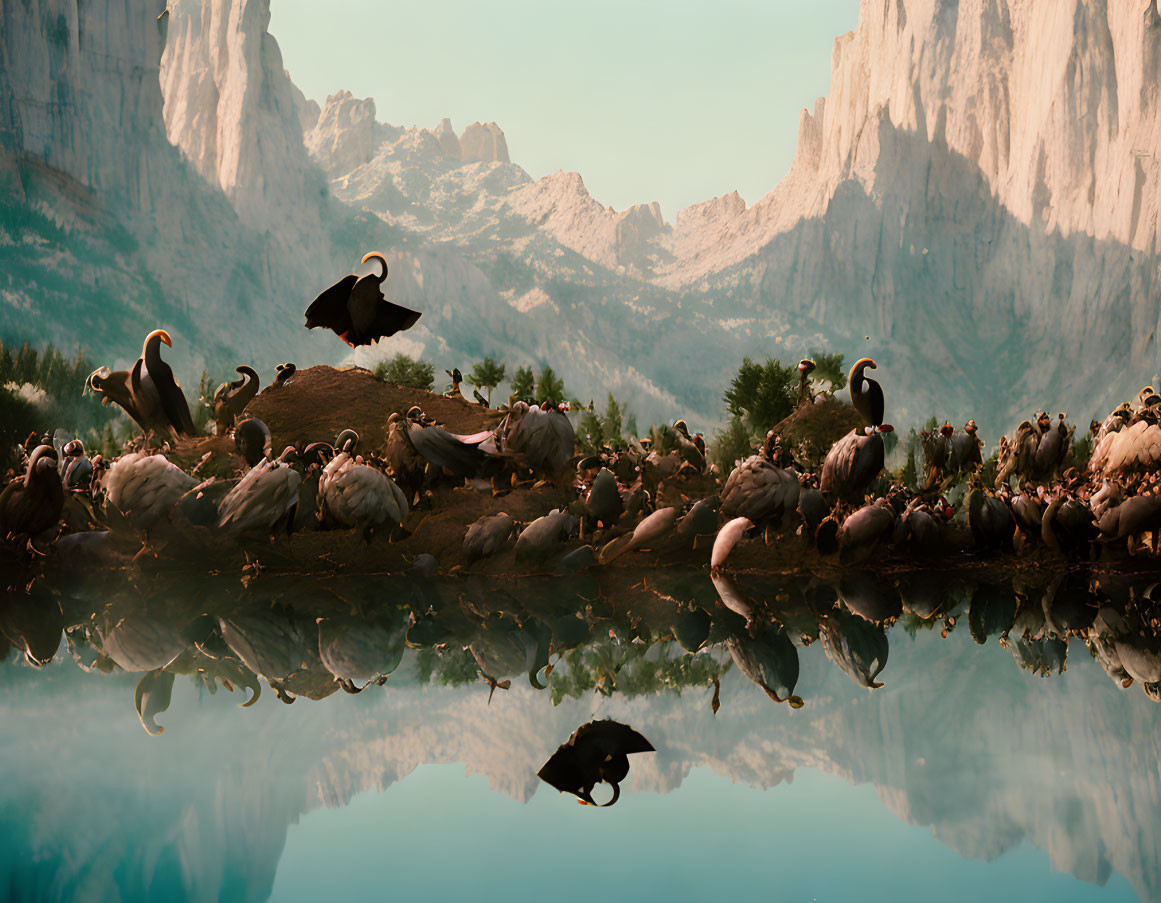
805,368
854,462
156,394
231,398
145,488
356,311
148,393
264,497
603,504
461,455
487,536
759,490
539,540
351,494
541,435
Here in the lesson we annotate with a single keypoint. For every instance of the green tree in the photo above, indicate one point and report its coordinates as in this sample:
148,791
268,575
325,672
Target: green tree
762,394
487,374
613,421
731,445
405,371
549,387
524,385
829,367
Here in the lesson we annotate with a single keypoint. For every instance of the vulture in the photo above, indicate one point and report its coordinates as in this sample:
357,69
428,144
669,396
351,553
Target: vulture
156,394
265,497
805,368
461,455
356,311
407,466
33,503
597,751
487,536
231,398
759,490
351,494
853,463
145,488
542,436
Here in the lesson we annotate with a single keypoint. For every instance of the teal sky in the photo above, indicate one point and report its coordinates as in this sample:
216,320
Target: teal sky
650,100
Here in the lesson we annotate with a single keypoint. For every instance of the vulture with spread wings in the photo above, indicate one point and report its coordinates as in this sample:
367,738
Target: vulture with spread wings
355,309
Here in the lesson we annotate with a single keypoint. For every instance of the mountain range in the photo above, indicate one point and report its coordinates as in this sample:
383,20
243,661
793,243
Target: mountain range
974,204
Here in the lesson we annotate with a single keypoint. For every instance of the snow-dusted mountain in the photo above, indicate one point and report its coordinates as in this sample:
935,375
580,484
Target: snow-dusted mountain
974,203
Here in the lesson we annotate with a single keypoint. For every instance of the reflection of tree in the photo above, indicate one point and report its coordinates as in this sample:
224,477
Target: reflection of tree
631,670
453,667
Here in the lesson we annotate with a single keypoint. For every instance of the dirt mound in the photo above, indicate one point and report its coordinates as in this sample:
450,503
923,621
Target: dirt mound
316,404
813,428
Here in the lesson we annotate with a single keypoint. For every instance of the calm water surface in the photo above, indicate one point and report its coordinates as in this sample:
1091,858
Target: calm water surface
965,776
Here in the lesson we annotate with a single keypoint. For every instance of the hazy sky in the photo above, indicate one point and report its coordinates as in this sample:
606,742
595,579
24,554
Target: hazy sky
650,100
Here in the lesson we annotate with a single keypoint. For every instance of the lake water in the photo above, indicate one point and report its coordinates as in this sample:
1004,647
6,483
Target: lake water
963,777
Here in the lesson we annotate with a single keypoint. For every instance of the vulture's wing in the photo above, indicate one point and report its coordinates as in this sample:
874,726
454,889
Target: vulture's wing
330,309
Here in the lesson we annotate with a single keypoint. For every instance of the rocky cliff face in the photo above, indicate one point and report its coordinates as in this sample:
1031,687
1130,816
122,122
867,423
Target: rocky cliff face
975,202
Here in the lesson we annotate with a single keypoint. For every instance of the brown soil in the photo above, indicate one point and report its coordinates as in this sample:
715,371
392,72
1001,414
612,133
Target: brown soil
812,429
316,404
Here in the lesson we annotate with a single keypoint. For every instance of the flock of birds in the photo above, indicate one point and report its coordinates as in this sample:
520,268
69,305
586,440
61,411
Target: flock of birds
634,498
616,501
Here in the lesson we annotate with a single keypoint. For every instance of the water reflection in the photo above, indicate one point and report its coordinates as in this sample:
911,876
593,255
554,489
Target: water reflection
493,673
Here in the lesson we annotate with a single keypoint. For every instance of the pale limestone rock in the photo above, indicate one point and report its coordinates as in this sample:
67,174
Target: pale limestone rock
446,136
483,142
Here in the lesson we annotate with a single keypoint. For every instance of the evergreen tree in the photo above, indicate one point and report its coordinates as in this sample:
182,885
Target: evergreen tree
405,371
487,374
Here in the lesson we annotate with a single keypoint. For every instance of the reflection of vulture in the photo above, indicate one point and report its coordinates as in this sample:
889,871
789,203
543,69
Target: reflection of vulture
157,396
31,505
770,660
855,460
855,645
506,645
356,311
992,612
597,751
231,398
869,596
151,698
358,652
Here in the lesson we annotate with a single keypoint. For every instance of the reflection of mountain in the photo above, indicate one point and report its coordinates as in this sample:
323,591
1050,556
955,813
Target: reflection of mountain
959,738
977,194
